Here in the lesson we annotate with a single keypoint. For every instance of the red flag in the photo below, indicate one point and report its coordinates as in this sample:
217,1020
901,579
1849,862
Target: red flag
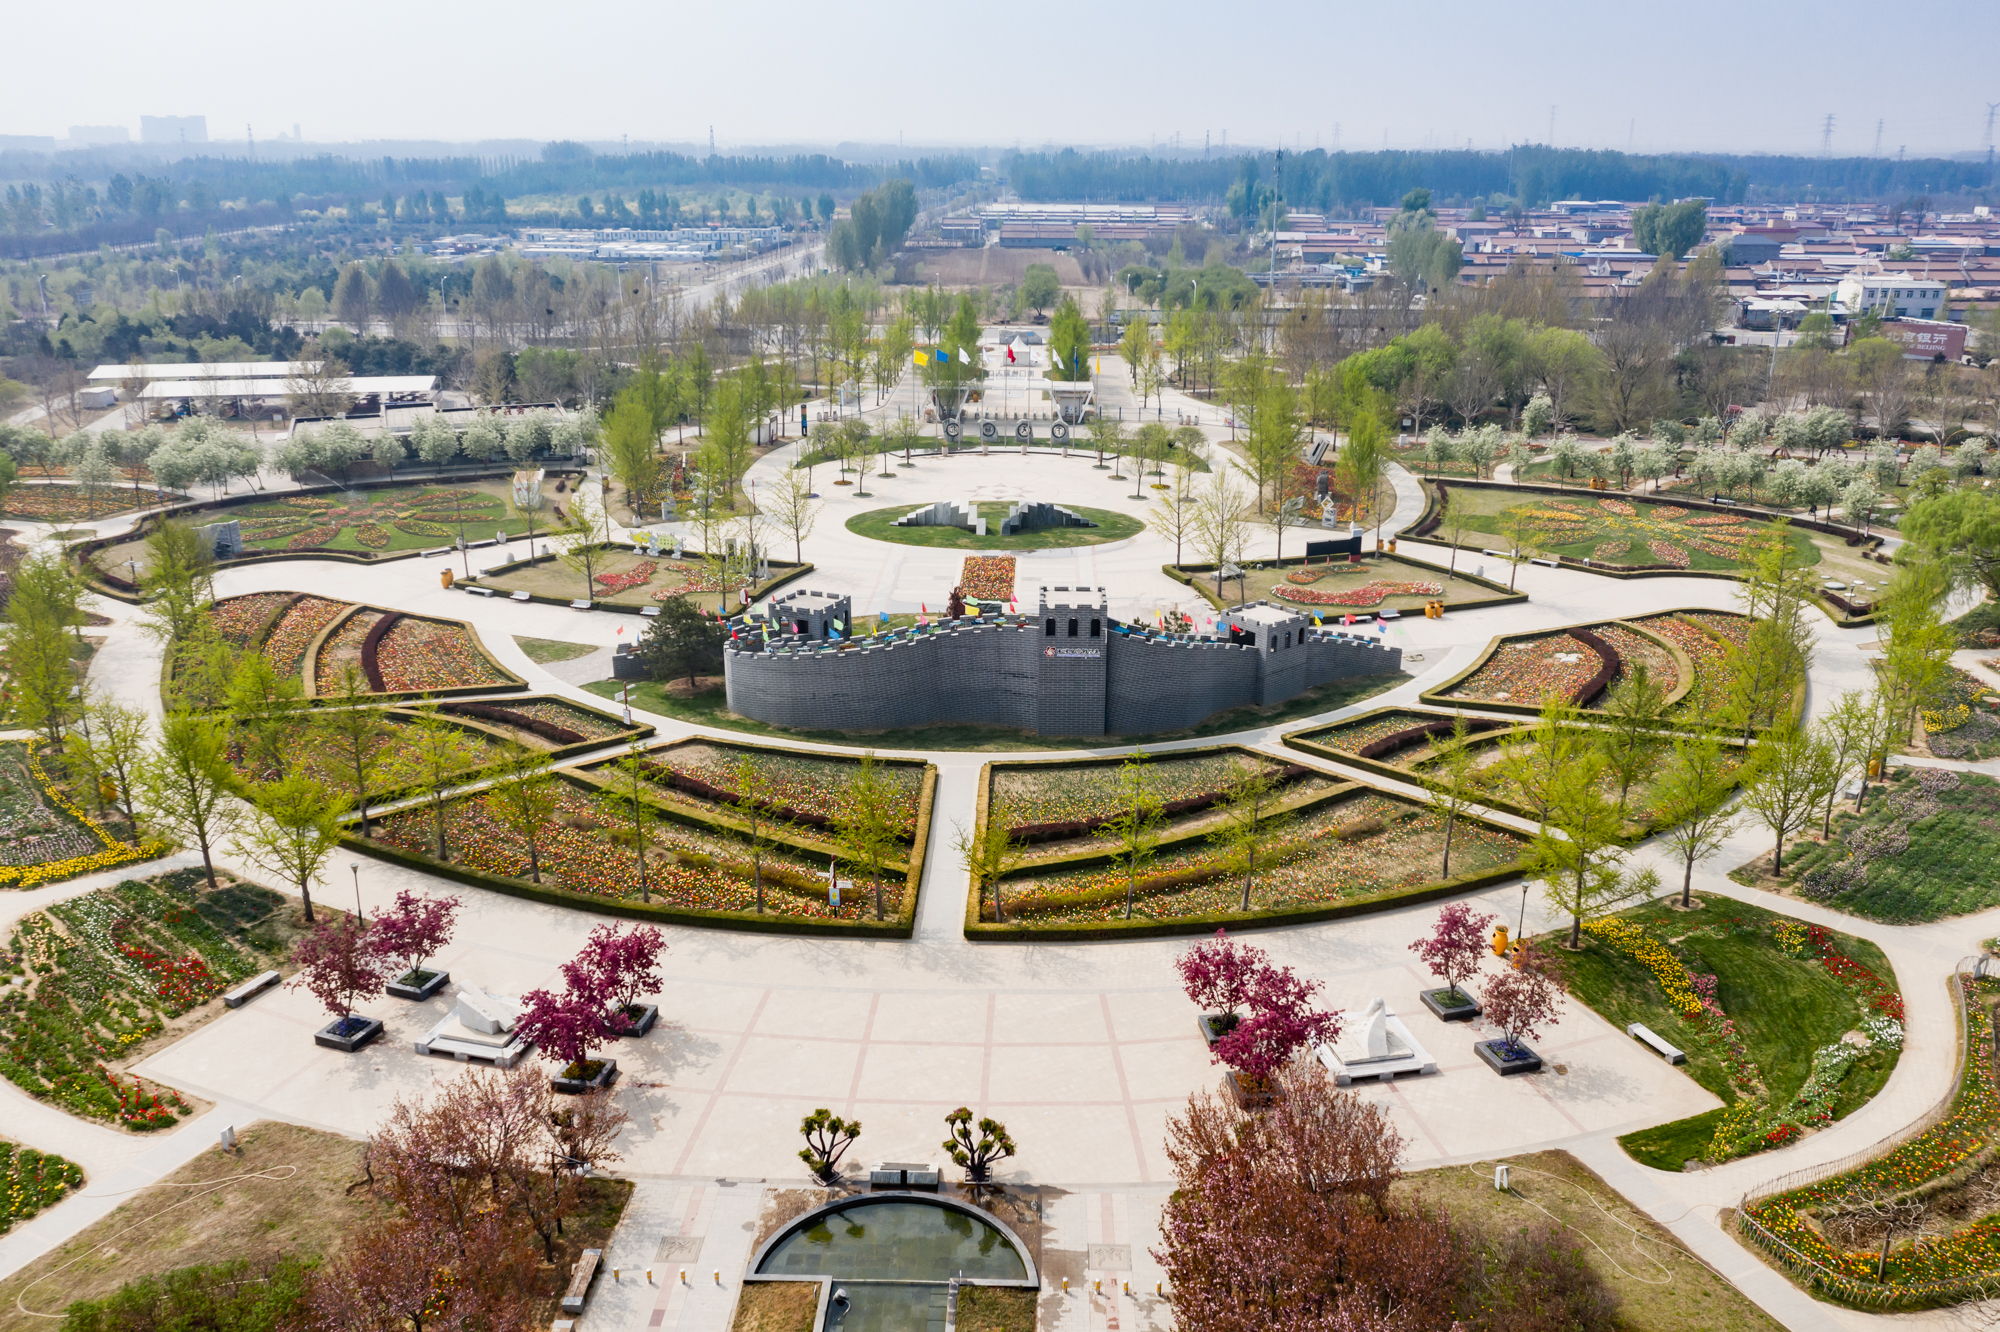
926,605
1010,355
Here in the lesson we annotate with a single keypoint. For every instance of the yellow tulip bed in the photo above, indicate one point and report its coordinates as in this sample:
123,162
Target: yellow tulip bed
43,835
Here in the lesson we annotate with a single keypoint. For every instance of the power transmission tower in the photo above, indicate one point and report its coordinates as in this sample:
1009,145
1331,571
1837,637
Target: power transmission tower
1826,137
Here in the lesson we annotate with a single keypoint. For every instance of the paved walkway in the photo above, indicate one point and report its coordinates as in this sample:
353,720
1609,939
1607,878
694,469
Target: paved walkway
1083,1049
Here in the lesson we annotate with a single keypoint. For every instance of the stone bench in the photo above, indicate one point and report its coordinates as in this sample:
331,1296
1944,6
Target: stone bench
478,591
441,550
250,989
579,1283
519,596
1551,564
579,604
1665,1048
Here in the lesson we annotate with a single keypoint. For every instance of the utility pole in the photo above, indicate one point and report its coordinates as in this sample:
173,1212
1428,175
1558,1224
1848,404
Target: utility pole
1878,138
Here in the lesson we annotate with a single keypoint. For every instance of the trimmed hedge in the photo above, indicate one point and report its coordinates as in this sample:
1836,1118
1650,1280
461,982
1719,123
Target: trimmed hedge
1608,662
371,666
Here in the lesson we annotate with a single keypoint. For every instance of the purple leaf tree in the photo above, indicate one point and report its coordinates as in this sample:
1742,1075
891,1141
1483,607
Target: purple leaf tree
1454,946
564,1025
1282,1022
1219,974
413,930
614,968
1520,1001
338,965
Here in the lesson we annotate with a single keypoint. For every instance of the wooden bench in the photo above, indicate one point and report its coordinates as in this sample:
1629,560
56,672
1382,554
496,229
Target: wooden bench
1668,1051
579,1282
250,989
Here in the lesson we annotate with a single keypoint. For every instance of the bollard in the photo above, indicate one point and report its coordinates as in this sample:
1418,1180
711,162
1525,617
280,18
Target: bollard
718,1276
1065,1285
649,1276
1159,1289
684,1276
1128,1290
614,1276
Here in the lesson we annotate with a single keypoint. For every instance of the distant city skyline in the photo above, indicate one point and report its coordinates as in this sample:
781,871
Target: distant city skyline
1711,77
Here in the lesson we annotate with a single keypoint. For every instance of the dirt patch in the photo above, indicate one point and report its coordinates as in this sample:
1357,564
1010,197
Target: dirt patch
991,267
305,1208
777,1306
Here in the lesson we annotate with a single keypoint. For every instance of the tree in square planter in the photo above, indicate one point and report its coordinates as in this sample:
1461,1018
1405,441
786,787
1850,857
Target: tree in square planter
339,965
1219,974
1452,951
619,967
407,935
1519,1001
565,1026
1281,1023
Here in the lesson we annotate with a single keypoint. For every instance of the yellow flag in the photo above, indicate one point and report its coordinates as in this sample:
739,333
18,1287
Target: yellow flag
918,357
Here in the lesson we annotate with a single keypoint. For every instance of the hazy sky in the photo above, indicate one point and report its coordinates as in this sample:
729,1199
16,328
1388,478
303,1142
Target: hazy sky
1702,74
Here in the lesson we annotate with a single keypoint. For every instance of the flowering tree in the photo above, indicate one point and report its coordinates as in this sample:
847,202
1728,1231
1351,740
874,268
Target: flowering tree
338,964
1520,1001
1282,1022
565,1025
414,929
1218,974
614,968
1455,944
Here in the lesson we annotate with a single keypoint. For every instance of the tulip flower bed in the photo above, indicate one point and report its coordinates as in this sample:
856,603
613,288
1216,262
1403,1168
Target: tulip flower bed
1528,670
423,655
1959,1259
1792,1025
586,851
1367,595
31,1180
107,970
61,503
987,577
1618,534
805,784
343,649
1039,794
1963,725
1632,647
637,576
1713,676
242,621
1348,849
588,723
1909,855
1354,736
44,836
286,645
394,518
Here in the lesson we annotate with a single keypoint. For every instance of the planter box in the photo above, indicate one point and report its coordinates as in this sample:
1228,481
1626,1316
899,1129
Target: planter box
1438,1001
417,985
642,1017
1211,1028
1254,1100
348,1034
605,1076
1505,1063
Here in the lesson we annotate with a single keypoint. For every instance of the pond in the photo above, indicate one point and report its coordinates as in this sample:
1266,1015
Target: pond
892,1258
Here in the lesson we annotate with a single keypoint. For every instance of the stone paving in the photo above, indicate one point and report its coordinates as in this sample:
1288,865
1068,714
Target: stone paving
1083,1049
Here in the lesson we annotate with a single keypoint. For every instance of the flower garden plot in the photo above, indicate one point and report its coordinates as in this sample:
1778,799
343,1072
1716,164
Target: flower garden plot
616,574
1356,735
1792,1025
44,836
31,1180
66,503
1962,723
342,649
1713,676
987,578
242,621
687,868
1623,534
1915,853
382,521
1527,670
1830,1245
112,968
1347,849
1332,588
810,789
1635,647
587,724
285,646
419,655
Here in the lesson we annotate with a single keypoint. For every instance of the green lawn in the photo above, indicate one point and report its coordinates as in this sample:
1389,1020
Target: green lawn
1945,869
1591,529
709,707
880,525
1784,1008
542,651
484,506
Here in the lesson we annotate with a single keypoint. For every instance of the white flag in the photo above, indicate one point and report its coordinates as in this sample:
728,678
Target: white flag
964,356
1054,359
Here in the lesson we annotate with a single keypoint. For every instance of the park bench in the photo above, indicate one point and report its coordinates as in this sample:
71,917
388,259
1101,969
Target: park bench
477,591
650,612
1553,564
519,596
1667,1050
579,604
250,989
441,550
579,1282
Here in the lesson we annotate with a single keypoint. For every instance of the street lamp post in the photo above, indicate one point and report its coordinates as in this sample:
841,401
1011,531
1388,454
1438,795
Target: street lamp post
355,867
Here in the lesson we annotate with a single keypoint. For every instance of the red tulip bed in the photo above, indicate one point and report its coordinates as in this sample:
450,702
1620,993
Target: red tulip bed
1367,595
239,621
286,646
1530,670
584,850
1735,628
691,578
108,970
1358,846
804,783
1712,675
637,576
987,577
422,655
1629,534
